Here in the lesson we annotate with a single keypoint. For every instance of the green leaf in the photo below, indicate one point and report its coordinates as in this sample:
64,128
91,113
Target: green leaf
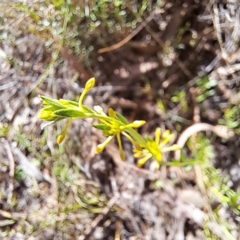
148,139
34,16
68,103
87,109
121,118
200,98
70,113
58,3
51,101
180,164
4,130
102,127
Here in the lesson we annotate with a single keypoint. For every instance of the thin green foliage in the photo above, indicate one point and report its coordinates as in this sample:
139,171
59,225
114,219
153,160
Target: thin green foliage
216,189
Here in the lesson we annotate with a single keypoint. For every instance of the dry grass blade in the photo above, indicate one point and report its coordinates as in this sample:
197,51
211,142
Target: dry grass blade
11,171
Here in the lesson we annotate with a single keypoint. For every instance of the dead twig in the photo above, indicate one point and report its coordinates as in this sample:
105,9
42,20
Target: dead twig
219,130
222,73
216,22
131,35
196,109
76,65
231,96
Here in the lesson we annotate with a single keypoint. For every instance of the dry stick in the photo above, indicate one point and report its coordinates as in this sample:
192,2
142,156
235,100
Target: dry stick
216,22
196,109
113,151
75,64
219,130
223,72
11,170
231,96
130,36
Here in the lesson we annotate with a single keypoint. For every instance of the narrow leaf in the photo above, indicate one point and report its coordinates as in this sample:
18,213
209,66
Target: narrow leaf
102,127
68,103
87,109
70,113
121,118
51,101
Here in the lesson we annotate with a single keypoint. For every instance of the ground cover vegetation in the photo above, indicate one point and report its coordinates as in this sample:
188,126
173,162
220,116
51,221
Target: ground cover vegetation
158,76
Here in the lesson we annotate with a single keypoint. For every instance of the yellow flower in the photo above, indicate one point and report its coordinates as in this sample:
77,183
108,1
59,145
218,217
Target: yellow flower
112,125
115,126
64,132
89,85
54,110
155,148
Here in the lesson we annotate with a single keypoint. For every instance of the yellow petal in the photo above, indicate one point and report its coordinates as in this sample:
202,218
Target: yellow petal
122,155
135,124
166,138
172,148
64,132
90,84
47,115
101,146
166,134
60,138
138,123
137,154
142,161
111,113
157,135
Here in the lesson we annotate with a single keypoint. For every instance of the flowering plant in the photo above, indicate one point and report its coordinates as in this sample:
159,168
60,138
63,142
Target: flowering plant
113,124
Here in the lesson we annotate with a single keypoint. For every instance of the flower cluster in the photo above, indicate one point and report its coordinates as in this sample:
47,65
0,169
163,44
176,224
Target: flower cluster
112,125
155,148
